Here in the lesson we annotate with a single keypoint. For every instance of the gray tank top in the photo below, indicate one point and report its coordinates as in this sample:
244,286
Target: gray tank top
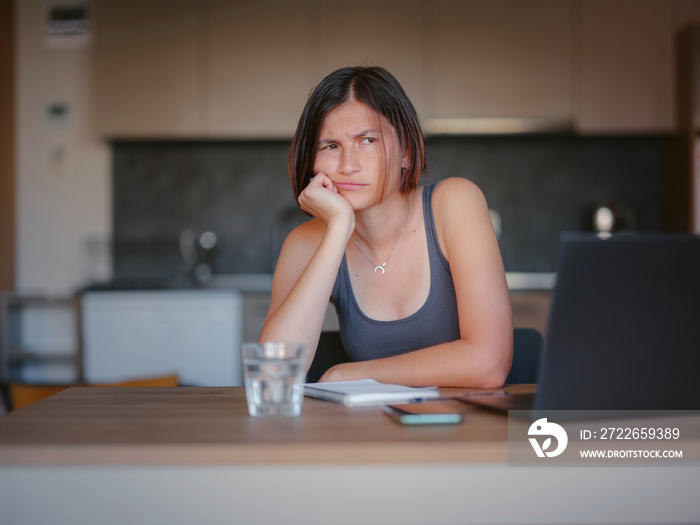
435,322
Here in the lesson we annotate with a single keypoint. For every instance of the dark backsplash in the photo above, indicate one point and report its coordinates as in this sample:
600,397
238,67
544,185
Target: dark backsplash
540,185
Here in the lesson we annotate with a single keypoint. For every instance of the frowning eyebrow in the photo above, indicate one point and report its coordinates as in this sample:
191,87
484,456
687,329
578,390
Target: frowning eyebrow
361,134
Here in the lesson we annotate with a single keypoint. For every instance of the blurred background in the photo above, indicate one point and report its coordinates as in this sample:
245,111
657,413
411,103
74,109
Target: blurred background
144,143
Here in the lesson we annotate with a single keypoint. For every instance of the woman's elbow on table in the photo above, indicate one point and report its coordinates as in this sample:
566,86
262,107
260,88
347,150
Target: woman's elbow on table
494,378
493,367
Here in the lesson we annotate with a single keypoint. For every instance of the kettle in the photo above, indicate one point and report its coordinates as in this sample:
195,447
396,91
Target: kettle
608,218
604,219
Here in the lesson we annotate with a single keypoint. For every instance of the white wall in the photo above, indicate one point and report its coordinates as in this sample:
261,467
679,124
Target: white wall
58,206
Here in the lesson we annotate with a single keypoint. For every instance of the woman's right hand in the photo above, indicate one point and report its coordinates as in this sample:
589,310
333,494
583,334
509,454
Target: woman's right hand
321,199
307,267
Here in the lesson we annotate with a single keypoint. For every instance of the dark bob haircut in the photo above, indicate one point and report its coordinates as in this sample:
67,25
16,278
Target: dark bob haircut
374,87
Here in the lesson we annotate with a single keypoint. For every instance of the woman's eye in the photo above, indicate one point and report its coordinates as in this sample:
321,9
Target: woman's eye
329,147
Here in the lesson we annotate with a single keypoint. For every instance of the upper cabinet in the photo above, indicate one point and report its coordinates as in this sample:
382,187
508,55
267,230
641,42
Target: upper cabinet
626,72
239,69
499,58
198,68
389,33
257,67
686,12
145,68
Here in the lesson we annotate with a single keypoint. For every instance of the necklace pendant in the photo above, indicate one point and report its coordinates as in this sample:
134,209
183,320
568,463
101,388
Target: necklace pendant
380,267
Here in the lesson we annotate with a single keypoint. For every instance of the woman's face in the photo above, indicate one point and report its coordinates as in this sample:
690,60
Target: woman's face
357,149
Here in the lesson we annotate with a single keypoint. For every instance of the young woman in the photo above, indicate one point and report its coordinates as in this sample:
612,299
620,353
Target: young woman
415,273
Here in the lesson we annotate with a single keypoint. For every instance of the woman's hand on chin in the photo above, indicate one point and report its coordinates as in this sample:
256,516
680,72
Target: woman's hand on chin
321,199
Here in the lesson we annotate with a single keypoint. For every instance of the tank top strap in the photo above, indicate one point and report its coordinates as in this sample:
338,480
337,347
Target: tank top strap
341,287
430,230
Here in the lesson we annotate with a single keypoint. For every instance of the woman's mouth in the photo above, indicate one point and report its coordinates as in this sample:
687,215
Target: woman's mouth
348,185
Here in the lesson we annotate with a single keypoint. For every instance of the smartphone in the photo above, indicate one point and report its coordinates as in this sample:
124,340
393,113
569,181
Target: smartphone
425,413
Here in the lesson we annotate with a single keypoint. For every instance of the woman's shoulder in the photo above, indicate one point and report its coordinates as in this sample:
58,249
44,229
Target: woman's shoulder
298,248
306,236
456,192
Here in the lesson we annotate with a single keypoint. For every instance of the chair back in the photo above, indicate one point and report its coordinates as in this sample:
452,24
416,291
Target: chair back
329,352
3,407
528,349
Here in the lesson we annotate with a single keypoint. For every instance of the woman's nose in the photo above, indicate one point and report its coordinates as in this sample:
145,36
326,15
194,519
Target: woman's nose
349,162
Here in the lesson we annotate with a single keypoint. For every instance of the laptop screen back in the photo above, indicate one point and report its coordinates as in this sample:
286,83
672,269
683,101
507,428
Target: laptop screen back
624,325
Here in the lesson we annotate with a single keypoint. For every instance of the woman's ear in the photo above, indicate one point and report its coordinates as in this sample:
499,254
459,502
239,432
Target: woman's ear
406,161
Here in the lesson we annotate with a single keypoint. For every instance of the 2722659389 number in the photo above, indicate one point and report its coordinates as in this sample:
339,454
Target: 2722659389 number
636,433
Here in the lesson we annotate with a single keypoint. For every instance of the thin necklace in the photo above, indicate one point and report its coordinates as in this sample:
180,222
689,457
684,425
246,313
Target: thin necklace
381,267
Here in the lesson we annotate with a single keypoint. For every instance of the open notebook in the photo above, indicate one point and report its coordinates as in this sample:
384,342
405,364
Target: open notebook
368,392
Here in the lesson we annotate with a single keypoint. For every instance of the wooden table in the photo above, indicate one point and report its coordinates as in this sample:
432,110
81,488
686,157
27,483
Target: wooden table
193,455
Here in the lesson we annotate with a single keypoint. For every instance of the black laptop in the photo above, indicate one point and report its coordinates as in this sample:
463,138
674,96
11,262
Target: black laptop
624,327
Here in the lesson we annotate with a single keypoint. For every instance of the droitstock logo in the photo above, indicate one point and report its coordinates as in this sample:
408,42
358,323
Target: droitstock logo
542,427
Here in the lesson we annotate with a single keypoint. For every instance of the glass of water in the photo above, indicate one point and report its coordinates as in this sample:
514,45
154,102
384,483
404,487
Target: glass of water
274,376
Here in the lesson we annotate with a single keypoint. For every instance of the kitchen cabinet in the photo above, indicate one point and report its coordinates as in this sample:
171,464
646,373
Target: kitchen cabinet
195,334
531,309
626,70
194,68
682,183
257,67
390,33
686,12
255,306
498,58
146,68
39,340
225,69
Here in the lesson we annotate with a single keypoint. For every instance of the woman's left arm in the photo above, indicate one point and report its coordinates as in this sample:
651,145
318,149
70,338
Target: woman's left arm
483,354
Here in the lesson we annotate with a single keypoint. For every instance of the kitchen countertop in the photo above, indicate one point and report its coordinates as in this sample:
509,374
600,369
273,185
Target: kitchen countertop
262,283
242,282
531,280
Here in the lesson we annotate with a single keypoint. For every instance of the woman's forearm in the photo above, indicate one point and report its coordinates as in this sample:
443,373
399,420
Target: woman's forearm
300,314
455,364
